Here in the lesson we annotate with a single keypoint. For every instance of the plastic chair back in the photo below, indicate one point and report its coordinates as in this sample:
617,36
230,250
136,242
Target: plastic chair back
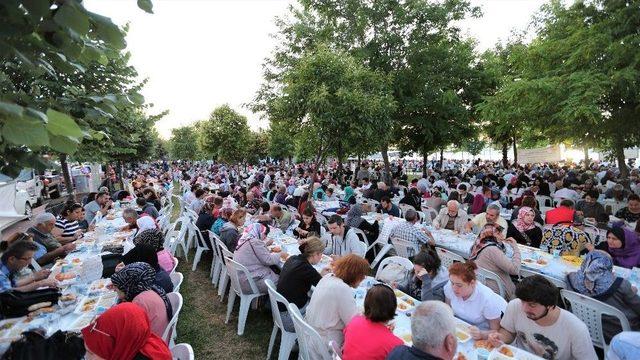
487,277
234,270
395,260
176,304
311,344
274,299
182,351
403,247
447,258
176,280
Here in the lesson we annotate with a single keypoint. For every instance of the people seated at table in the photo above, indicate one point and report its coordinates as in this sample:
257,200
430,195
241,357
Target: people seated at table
471,300
436,199
147,254
370,336
433,334
623,245
309,226
342,240
412,198
528,201
123,332
67,223
389,208
282,219
43,226
136,222
597,280
298,275
407,231
523,229
491,216
631,212
217,206
481,200
381,191
155,238
147,208
349,193
465,196
136,283
205,218
318,192
281,195
230,231
355,220
534,322
564,192
198,202
565,237
590,209
451,218
101,204
332,304
429,277
330,194
253,253
564,213
16,256
152,197
489,253
225,214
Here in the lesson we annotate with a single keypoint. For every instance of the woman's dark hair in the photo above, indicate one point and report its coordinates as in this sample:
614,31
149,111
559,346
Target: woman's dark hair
308,212
592,194
537,289
454,195
18,248
428,259
69,208
265,206
380,304
142,253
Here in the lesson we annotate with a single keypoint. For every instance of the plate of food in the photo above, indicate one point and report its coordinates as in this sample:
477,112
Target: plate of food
88,304
404,306
508,352
535,263
100,285
483,344
399,294
572,259
409,300
462,333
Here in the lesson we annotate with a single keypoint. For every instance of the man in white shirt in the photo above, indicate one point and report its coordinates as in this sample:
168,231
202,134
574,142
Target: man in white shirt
342,240
538,325
267,179
565,193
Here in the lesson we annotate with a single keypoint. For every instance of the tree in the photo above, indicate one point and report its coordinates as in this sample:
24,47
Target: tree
225,136
281,140
40,40
258,147
183,143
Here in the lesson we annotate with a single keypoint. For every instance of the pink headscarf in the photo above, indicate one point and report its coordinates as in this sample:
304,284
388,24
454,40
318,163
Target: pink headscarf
520,224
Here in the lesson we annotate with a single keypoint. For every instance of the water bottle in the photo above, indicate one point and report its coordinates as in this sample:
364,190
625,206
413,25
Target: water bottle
544,248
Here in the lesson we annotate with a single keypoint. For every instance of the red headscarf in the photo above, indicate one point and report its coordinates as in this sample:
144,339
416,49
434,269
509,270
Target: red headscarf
129,333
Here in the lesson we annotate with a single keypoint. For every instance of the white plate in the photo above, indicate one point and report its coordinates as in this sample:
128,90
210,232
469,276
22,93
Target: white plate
518,354
534,264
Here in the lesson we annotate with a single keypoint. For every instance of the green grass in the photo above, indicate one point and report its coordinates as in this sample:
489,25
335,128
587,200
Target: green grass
201,321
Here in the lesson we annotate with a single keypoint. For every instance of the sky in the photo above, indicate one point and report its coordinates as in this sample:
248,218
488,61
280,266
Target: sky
200,54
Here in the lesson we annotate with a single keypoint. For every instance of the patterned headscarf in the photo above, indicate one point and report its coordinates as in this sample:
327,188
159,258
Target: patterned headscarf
520,223
152,237
136,278
487,237
253,231
354,216
348,193
595,276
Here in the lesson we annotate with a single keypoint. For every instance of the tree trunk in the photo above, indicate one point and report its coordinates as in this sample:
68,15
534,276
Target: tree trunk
441,159
618,150
66,176
424,163
586,157
505,150
339,162
387,167
515,152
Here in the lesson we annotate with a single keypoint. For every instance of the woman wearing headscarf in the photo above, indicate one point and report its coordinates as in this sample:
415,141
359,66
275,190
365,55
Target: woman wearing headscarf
523,229
252,252
597,280
349,195
412,198
135,283
489,253
155,238
354,219
623,246
123,333
147,254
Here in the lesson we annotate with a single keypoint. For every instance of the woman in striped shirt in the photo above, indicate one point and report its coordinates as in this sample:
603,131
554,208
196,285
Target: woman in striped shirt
67,223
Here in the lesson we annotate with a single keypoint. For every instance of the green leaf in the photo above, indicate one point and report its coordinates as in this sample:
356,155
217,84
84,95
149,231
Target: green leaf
108,31
146,5
11,110
63,144
25,131
62,125
69,16
37,8
136,98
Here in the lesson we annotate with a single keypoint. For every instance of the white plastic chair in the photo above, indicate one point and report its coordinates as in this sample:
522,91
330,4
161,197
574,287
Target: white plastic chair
544,201
287,339
246,297
524,272
447,258
216,262
486,277
178,240
590,311
175,265
224,273
403,209
310,344
431,212
403,247
169,334
182,351
336,352
395,260
176,280
201,245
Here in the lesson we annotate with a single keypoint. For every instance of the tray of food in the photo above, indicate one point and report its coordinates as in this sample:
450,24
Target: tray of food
508,352
403,306
535,263
100,285
462,333
572,259
483,344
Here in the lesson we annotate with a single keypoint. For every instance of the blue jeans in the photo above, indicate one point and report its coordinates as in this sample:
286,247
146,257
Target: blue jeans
624,346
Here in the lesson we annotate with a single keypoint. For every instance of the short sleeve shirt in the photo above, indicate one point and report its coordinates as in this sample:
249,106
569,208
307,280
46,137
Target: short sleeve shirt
483,305
6,282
